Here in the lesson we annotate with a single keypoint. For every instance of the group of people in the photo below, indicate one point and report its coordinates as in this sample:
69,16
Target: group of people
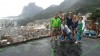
70,26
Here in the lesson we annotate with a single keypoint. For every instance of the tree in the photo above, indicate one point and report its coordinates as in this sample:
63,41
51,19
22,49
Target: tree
95,15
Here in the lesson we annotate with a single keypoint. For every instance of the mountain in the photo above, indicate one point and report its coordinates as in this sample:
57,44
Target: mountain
52,10
85,6
80,6
47,12
30,10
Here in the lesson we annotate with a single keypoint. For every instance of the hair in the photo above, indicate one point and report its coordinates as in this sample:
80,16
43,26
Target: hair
75,18
81,18
56,15
63,21
70,14
63,18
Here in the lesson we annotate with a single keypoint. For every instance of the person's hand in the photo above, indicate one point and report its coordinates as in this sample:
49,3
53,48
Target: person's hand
62,33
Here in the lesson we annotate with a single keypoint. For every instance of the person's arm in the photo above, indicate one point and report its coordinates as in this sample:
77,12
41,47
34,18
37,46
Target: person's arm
61,29
66,28
59,23
51,22
83,27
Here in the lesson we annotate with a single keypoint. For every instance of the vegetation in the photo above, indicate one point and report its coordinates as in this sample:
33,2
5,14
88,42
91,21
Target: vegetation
95,14
79,6
88,6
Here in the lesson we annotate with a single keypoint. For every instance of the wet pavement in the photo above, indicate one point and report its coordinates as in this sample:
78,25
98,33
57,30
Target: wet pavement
42,47
34,48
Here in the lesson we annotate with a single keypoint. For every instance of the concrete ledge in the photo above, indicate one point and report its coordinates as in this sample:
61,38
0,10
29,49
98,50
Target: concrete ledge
94,37
18,43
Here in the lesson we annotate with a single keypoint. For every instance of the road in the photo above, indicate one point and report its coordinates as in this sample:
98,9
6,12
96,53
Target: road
42,47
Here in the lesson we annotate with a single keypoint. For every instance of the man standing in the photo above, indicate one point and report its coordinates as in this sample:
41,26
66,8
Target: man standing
79,30
55,27
69,20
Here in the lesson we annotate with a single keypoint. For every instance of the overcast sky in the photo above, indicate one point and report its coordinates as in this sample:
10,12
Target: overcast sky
14,7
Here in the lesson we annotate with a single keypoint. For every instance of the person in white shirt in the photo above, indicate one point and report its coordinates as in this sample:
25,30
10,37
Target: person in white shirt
64,28
83,21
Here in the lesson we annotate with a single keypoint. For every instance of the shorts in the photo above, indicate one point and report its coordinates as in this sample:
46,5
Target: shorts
55,31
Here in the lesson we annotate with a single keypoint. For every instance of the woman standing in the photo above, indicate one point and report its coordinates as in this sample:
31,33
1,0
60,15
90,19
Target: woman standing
74,24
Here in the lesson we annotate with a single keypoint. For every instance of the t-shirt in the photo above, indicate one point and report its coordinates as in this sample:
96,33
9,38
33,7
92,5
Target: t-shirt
65,28
80,26
55,23
68,21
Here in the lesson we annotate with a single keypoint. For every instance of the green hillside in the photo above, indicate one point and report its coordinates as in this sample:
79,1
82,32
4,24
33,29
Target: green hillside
79,6
52,10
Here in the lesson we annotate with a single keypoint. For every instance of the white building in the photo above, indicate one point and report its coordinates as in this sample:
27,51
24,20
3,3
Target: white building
7,22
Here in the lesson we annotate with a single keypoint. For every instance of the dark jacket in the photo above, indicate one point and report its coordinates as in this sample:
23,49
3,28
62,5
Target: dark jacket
74,25
68,21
